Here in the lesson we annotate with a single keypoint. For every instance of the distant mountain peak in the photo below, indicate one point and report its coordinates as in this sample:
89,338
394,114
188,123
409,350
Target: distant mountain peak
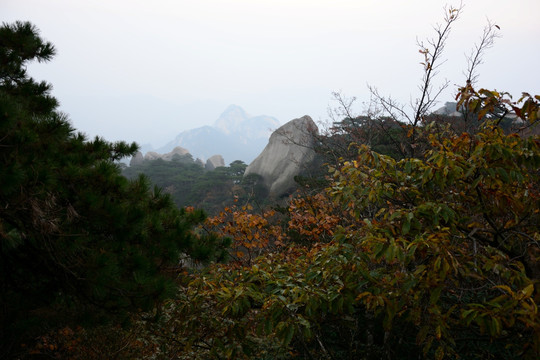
234,109
235,135
236,120
231,119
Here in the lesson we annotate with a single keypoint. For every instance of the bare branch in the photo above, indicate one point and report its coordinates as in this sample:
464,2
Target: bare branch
391,107
432,54
344,109
475,59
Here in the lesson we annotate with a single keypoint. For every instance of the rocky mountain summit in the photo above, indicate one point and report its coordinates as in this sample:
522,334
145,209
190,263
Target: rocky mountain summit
235,135
289,149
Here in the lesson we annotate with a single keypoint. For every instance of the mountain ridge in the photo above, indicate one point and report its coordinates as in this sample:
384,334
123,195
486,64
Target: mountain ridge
236,135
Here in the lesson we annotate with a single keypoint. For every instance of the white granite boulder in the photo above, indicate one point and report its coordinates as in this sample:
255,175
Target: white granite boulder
289,149
214,162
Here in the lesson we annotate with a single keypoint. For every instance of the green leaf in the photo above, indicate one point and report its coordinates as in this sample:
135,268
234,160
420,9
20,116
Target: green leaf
408,167
495,328
406,226
435,295
289,335
268,326
503,174
477,181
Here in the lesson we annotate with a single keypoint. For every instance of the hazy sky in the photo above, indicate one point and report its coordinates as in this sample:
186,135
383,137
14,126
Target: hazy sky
141,70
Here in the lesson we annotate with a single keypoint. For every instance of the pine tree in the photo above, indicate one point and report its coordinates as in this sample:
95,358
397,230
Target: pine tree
73,230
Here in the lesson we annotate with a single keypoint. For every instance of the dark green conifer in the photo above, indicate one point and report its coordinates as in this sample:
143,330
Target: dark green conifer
73,230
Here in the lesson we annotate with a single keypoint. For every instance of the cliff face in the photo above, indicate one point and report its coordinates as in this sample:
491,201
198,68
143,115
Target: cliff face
289,148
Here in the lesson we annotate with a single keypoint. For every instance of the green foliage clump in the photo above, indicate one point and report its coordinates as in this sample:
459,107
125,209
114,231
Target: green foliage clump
440,260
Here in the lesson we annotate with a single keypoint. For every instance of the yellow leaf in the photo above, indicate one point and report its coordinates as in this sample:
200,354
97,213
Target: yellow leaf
505,288
527,292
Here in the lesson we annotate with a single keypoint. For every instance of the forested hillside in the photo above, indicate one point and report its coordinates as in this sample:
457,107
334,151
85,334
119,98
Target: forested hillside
191,185
419,239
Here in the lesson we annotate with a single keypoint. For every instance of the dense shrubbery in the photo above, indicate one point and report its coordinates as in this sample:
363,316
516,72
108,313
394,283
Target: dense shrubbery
438,258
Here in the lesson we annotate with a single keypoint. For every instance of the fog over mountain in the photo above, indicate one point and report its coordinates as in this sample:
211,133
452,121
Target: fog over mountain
236,135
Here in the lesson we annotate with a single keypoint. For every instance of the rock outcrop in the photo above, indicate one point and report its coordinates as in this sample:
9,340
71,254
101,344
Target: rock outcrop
176,151
289,149
214,161
449,109
151,155
137,159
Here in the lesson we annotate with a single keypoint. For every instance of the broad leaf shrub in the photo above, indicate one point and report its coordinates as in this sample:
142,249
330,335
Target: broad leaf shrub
252,233
439,259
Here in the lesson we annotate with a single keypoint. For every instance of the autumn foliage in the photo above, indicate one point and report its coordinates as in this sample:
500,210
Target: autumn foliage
432,257
252,233
315,218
